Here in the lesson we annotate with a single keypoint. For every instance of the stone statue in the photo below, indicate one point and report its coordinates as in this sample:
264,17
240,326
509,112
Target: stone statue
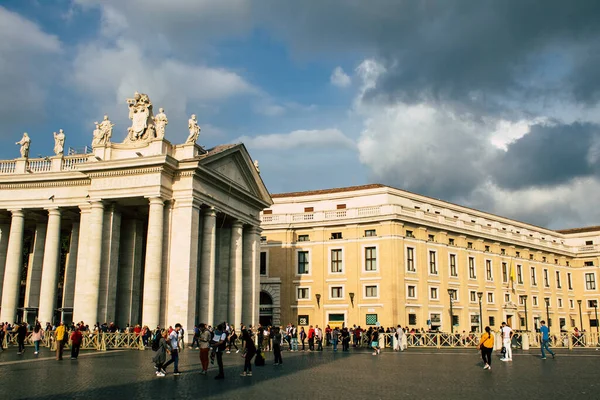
97,135
106,128
59,142
160,121
25,142
140,113
256,166
194,130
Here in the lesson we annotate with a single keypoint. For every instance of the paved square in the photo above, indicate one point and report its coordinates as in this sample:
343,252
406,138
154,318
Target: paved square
417,373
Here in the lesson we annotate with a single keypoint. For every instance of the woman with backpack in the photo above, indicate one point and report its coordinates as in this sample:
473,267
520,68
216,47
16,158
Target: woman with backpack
486,345
160,357
249,351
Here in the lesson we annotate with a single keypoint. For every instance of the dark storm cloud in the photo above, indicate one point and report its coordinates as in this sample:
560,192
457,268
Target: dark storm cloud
548,156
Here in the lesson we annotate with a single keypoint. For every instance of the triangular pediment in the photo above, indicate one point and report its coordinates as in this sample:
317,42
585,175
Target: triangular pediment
233,163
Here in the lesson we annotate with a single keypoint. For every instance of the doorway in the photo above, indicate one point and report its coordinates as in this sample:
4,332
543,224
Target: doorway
265,317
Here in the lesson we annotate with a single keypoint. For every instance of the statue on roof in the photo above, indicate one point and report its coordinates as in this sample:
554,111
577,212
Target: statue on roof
25,142
59,142
160,121
194,130
103,132
142,128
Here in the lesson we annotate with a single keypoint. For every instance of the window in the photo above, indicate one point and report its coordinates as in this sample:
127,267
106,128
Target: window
589,242
490,298
263,239
518,254
412,319
303,262
504,273
431,238
519,274
534,300
487,249
544,259
435,321
303,238
455,320
336,235
571,304
556,261
370,259
309,209
303,293
263,263
433,293
410,259
303,320
590,281
336,261
337,292
531,256
472,268
454,295
488,270
469,245
473,296
558,285
592,303
568,263
521,300
503,252
451,242
546,281
371,291
492,321
560,303
410,234
588,263
453,271
522,321
569,281
432,265
411,292
562,322
341,207
533,277
371,319
370,232
507,298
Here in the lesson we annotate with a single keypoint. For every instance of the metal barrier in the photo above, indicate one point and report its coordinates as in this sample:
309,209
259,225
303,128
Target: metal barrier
90,341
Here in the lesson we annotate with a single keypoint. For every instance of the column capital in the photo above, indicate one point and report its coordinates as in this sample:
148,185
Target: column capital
54,211
97,204
17,213
156,200
237,224
253,229
210,212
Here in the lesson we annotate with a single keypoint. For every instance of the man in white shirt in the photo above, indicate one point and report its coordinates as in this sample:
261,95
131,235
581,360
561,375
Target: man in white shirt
174,345
507,334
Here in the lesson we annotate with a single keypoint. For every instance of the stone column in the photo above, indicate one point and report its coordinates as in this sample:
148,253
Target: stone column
235,275
130,273
50,268
80,274
107,297
12,272
71,268
208,265
153,268
248,276
256,276
4,229
34,266
88,277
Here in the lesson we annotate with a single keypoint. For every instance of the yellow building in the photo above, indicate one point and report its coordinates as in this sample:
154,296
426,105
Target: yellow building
375,254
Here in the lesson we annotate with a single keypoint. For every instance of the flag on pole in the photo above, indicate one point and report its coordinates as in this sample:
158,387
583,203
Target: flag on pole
513,275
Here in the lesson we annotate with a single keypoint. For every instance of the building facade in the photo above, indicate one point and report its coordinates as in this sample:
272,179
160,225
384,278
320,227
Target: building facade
139,232
374,254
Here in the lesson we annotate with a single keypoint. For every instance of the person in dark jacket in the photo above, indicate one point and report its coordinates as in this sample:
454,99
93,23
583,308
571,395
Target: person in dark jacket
160,357
277,347
249,351
21,335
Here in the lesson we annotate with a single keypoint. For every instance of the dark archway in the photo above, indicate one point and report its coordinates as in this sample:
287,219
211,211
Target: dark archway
266,309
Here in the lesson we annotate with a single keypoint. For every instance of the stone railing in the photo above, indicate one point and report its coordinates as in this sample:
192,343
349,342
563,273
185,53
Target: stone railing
39,165
46,164
69,162
7,166
589,248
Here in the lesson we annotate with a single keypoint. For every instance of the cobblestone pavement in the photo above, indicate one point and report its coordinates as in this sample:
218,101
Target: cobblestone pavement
417,373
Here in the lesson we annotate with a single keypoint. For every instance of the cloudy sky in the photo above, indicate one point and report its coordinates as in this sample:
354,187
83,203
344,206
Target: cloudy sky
490,104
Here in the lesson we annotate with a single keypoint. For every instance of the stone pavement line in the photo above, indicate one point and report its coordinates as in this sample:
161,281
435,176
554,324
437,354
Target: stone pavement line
54,358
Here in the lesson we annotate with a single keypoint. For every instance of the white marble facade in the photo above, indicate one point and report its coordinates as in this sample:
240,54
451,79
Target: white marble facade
140,232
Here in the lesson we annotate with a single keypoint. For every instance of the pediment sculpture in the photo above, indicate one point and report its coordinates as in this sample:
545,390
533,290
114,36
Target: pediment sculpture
142,127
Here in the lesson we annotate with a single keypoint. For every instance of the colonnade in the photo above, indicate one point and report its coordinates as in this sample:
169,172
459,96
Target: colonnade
108,276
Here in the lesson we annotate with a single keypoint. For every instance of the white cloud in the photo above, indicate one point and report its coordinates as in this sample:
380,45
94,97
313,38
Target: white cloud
340,78
507,132
317,139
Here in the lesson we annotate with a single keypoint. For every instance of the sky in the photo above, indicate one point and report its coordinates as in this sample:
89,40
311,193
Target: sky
489,104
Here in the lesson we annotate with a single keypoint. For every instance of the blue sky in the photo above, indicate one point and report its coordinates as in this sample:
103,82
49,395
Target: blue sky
493,105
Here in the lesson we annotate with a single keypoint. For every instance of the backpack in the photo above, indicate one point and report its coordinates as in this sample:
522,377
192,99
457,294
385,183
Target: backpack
156,341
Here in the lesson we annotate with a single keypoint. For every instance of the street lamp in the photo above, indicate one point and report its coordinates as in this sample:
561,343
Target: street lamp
595,305
580,317
548,310
524,300
479,296
451,294
351,298
318,296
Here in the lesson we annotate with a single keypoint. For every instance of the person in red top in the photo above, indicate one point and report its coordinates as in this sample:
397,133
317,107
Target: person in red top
76,339
328,336
137,330
311,338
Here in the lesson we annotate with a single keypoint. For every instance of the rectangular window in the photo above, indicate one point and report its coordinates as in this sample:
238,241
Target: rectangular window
558,284
490,298
492,321
560,303
410,259
371,291
469,245
451,242
487,249
431,238
472,268
589,242
303,262
412,319
453,271
303,293
533,277
569,281
473,296
370,232
590,281
507,298
309,209
336,235
588,263
488,270
519,274
337,292
409,234
534,299
303,238
432,264
518,254
411,292
371,319
503,251
546,281
263,263
571,304
370,259
336,261
504,273
544,259
341,207
592,303
531,256
433,293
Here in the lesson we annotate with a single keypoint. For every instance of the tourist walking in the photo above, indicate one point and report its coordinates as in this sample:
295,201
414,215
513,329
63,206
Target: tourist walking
76,338
545,340
302,338
60,335
334,337
277,347
232,340
311,338
319,338
219,343
294,335
249,351
36,337
486,345
21,335
174,347
161,352
203,340
375,342
507,334
196,339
